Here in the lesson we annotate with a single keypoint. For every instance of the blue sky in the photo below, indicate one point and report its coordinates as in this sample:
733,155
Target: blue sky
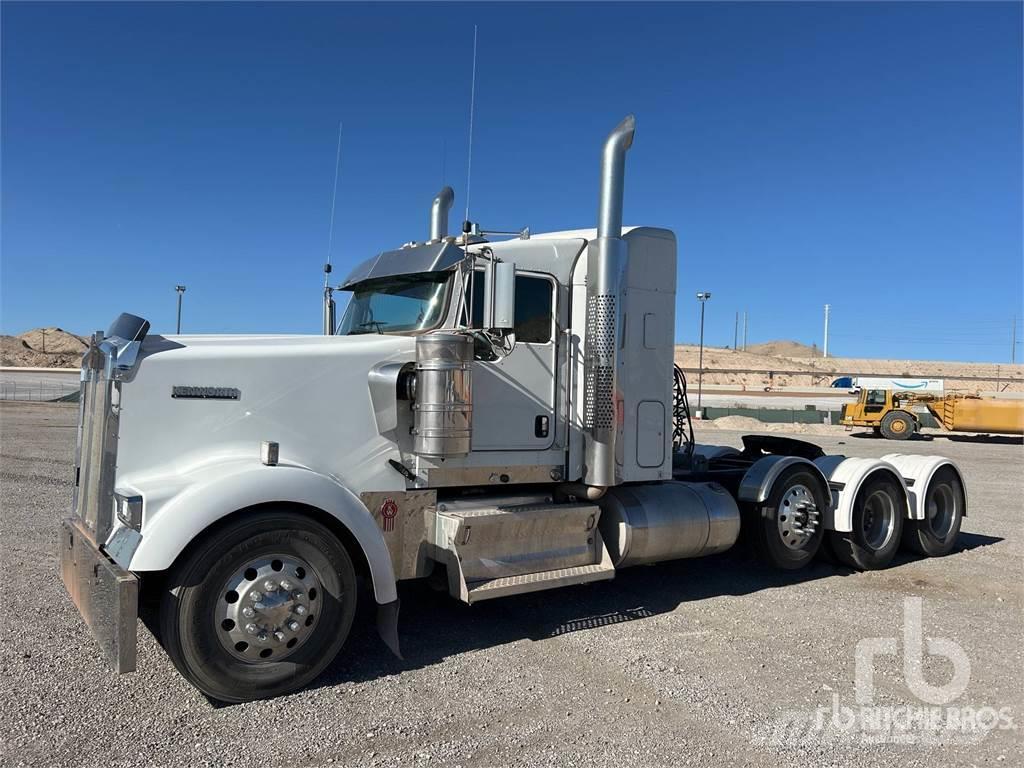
864,155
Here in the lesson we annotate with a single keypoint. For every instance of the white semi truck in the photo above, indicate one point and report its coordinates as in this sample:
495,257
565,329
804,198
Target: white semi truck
503,415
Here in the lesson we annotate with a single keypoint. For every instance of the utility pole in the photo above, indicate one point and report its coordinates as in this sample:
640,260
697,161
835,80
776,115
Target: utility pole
1013,341
181,292
824,352
745,330
702,297
736,332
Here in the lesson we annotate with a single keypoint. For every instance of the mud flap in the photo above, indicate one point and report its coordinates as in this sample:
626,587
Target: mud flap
387,626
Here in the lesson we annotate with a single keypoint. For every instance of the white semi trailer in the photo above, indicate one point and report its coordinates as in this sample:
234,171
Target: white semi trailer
504,415
934,386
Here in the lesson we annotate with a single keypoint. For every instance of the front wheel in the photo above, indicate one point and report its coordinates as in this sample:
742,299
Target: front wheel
787,528
260,607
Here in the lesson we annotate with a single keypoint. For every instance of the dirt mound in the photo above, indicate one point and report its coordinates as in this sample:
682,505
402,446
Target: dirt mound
784,348
753,370
739,423
42,348
54,341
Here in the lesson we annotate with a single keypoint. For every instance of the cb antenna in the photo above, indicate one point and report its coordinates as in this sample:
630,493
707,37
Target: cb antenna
472,106
334,197
329,306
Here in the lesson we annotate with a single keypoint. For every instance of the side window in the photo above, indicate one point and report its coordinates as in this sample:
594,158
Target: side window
534,307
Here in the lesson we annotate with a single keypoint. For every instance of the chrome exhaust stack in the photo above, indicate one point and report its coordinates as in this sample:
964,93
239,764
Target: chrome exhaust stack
439,214
606,260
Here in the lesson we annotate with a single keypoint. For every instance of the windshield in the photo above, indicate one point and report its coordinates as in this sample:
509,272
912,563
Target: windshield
406,303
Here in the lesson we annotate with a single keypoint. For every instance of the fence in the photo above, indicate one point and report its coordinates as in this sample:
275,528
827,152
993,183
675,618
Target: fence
794,416
41,390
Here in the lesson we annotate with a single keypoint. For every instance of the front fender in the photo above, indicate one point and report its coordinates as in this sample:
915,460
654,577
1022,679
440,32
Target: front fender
210,493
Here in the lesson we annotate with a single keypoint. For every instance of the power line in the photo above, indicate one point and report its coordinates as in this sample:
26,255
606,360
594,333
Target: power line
824,352
922,341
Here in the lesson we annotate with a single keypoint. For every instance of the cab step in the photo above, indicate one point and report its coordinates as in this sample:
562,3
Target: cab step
535,582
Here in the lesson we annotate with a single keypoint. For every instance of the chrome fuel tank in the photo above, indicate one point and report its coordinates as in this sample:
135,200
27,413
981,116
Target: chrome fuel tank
649,523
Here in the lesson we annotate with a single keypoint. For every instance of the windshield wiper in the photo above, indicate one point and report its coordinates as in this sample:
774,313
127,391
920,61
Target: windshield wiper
377,325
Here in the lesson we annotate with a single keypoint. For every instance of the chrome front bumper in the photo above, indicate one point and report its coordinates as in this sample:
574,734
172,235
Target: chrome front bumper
105,594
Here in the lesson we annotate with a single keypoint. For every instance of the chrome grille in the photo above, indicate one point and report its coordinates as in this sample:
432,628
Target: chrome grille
96,452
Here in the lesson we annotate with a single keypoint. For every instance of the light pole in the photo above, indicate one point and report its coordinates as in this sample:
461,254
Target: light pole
828,309
702,297
181,292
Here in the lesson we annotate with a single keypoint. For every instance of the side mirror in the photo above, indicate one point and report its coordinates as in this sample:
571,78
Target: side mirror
500,301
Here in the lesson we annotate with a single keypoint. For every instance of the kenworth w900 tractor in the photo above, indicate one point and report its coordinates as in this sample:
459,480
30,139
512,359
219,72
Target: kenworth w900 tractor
501,415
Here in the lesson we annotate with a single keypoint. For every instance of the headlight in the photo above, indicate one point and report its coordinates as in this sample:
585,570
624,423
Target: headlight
129,510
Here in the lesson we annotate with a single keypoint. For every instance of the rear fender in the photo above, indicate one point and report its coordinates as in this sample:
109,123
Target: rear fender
918,471
211,492
846,476
757,483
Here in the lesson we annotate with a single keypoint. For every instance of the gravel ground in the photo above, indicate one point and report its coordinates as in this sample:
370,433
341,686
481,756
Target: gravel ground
700,662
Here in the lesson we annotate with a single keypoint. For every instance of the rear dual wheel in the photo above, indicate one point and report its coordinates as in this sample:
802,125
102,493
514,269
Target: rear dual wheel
259,608
877,524
944,505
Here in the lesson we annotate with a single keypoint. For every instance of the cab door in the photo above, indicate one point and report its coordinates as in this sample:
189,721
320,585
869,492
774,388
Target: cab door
514,398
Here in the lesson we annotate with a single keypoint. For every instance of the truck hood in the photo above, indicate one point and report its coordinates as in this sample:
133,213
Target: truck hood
283,345
193,400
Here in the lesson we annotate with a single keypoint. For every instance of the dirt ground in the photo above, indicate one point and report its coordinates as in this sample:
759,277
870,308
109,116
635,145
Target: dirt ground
717,661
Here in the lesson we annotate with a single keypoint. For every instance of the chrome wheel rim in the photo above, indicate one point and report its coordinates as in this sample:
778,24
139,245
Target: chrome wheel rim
267,608
797,516
878,523
941,509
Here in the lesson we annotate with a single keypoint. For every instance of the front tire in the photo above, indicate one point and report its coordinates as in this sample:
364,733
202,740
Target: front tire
787,528
260,607
944,506
877,526
897,425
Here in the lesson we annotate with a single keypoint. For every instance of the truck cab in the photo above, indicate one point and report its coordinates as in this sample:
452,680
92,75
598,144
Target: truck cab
528,419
